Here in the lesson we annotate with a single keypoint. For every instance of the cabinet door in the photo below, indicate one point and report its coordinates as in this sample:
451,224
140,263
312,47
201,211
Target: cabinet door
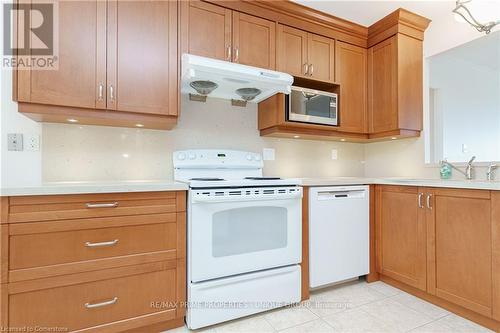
401,235
292,51
206,30
81,60
321,57
254,41
461,265
382,86
350,64
142,57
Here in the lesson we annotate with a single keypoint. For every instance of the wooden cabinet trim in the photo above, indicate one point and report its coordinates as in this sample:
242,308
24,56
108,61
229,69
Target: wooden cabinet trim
495,238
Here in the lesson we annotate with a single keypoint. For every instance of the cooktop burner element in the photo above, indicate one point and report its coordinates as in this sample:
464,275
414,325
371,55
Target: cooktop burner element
207,179
263,178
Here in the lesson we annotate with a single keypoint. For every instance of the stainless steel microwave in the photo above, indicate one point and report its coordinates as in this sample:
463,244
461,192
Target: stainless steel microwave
312,106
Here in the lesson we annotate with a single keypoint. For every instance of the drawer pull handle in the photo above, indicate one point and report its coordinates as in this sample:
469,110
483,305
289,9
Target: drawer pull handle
102,205
101,244
98,305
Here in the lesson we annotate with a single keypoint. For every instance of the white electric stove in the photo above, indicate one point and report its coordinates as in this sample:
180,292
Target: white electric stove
244,236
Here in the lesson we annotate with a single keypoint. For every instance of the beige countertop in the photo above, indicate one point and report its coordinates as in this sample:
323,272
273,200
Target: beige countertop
94,187
154,186
451,183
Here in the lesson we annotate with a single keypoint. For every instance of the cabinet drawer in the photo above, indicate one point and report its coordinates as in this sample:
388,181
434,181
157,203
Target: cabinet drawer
96,303
34,250
60,207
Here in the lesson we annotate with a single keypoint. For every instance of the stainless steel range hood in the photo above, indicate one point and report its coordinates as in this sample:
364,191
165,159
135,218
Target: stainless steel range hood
202,77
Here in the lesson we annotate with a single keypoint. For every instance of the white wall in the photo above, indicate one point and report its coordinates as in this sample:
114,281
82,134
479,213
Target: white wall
72,152
16,168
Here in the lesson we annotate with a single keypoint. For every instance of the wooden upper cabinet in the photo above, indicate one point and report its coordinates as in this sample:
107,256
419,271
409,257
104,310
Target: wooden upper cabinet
461,262
215,32
81,65
395,72
142,56
350,69
254,41
321,57
292,51
206,30
304,54
383,113
401,235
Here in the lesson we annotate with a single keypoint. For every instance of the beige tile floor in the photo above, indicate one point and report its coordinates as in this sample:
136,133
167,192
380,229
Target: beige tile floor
352,307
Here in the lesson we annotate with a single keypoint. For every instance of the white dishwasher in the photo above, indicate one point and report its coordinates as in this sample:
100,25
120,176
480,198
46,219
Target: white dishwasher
338,234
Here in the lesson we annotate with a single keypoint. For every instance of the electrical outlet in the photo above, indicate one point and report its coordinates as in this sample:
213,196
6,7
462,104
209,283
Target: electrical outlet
32,143
268,154
14,142
335,154
465,149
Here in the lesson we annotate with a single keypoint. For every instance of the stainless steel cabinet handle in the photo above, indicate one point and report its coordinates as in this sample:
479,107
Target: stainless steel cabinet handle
98,305
228,52
111,93
100,92
420,204
429,196
102,205
236,54
311,70
306,69
101,244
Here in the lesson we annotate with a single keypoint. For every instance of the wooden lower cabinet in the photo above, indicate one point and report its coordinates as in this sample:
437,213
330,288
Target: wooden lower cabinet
401,235
110,271
445,243
460,266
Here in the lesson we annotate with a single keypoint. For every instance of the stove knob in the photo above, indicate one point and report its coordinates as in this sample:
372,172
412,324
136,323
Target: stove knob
249,157
192,156
181,156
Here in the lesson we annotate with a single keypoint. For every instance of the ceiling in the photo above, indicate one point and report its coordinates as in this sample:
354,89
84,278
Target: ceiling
368,12
444,32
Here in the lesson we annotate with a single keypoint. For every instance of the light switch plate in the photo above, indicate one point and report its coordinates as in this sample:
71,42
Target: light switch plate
335,154
268,154
14,142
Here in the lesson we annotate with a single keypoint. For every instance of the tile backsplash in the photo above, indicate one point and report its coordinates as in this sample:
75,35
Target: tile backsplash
94,153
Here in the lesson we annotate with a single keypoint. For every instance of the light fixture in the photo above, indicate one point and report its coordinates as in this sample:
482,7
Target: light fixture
125,155
343,140
465,13
296,136
71,120
393,138
139,125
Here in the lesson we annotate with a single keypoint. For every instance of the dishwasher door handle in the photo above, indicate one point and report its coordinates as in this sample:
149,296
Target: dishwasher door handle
331,195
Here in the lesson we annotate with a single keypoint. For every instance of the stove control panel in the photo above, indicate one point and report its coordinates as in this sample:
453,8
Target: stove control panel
216,159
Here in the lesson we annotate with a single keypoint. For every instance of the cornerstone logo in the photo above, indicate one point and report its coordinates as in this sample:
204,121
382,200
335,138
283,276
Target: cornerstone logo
30,36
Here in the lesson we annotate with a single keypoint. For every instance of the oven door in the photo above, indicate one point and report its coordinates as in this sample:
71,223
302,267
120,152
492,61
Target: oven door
312,106
236,231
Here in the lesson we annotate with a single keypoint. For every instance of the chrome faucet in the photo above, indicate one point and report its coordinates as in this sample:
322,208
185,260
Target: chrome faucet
491,169
469,169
